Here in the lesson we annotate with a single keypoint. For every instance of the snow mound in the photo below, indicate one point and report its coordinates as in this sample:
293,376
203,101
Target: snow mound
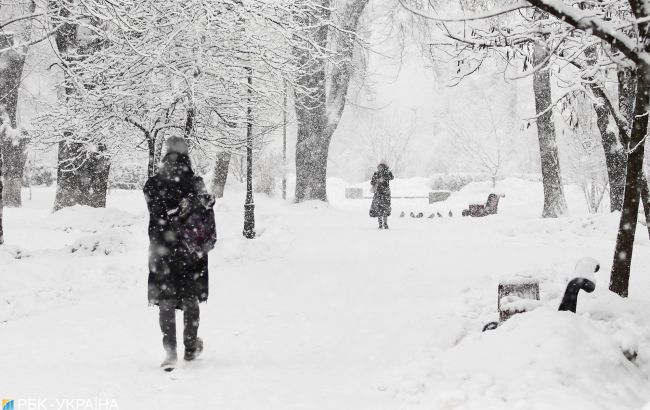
9,252
88,219
105,243
544,359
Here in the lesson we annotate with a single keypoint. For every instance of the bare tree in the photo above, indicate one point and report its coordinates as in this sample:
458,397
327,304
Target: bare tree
388,139
485,150
586,164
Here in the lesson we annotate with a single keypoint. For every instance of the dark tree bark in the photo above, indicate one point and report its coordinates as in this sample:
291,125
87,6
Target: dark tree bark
554,202
626,95
620,275
249,206
221,167
319,108
151,149
13,145
615,157
189,122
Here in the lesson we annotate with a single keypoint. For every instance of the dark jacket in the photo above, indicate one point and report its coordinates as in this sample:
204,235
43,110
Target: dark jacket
175,272
381,200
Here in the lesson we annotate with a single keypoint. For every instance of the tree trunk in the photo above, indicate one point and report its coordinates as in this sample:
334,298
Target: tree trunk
160,141
554,202
320,107
312,148
626,95
151,147
82,176
99,167
221,167
189,122
620,275
615,158
312,143
13,144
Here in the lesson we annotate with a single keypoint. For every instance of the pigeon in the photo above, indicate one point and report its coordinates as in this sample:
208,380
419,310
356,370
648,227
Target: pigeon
412,215
451,214
419,215
432,216
439,214
402,214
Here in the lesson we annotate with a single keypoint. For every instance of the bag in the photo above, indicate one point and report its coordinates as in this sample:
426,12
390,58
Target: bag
198,231
374,209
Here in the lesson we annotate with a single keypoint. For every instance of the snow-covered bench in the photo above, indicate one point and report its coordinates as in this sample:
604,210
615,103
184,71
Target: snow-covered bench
490,207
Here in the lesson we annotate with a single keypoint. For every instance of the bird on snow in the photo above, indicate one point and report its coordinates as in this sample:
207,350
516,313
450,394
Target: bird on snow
402,214
451,214
432,216
439,214
412,215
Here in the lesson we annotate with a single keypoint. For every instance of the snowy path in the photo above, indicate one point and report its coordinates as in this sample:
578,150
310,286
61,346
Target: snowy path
322,311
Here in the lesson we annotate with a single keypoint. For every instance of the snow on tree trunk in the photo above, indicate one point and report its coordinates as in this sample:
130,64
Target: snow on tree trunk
13,144
554,202
221,167
620,275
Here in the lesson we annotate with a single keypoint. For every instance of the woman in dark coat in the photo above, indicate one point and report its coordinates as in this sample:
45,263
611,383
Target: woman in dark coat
380,207
178,276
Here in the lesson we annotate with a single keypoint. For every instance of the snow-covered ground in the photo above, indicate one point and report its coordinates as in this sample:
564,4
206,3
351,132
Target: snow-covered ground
323,311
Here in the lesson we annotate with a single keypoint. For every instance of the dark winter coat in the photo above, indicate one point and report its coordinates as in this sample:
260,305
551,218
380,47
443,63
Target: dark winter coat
175,272
381,200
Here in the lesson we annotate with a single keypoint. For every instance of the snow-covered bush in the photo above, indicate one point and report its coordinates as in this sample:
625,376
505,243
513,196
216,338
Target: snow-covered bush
452,182
106,243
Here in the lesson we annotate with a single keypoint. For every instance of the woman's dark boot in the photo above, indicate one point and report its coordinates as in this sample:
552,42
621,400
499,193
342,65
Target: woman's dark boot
385,222
381,223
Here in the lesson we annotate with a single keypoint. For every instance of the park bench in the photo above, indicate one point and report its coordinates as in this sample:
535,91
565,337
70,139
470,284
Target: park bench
522,295
490,207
